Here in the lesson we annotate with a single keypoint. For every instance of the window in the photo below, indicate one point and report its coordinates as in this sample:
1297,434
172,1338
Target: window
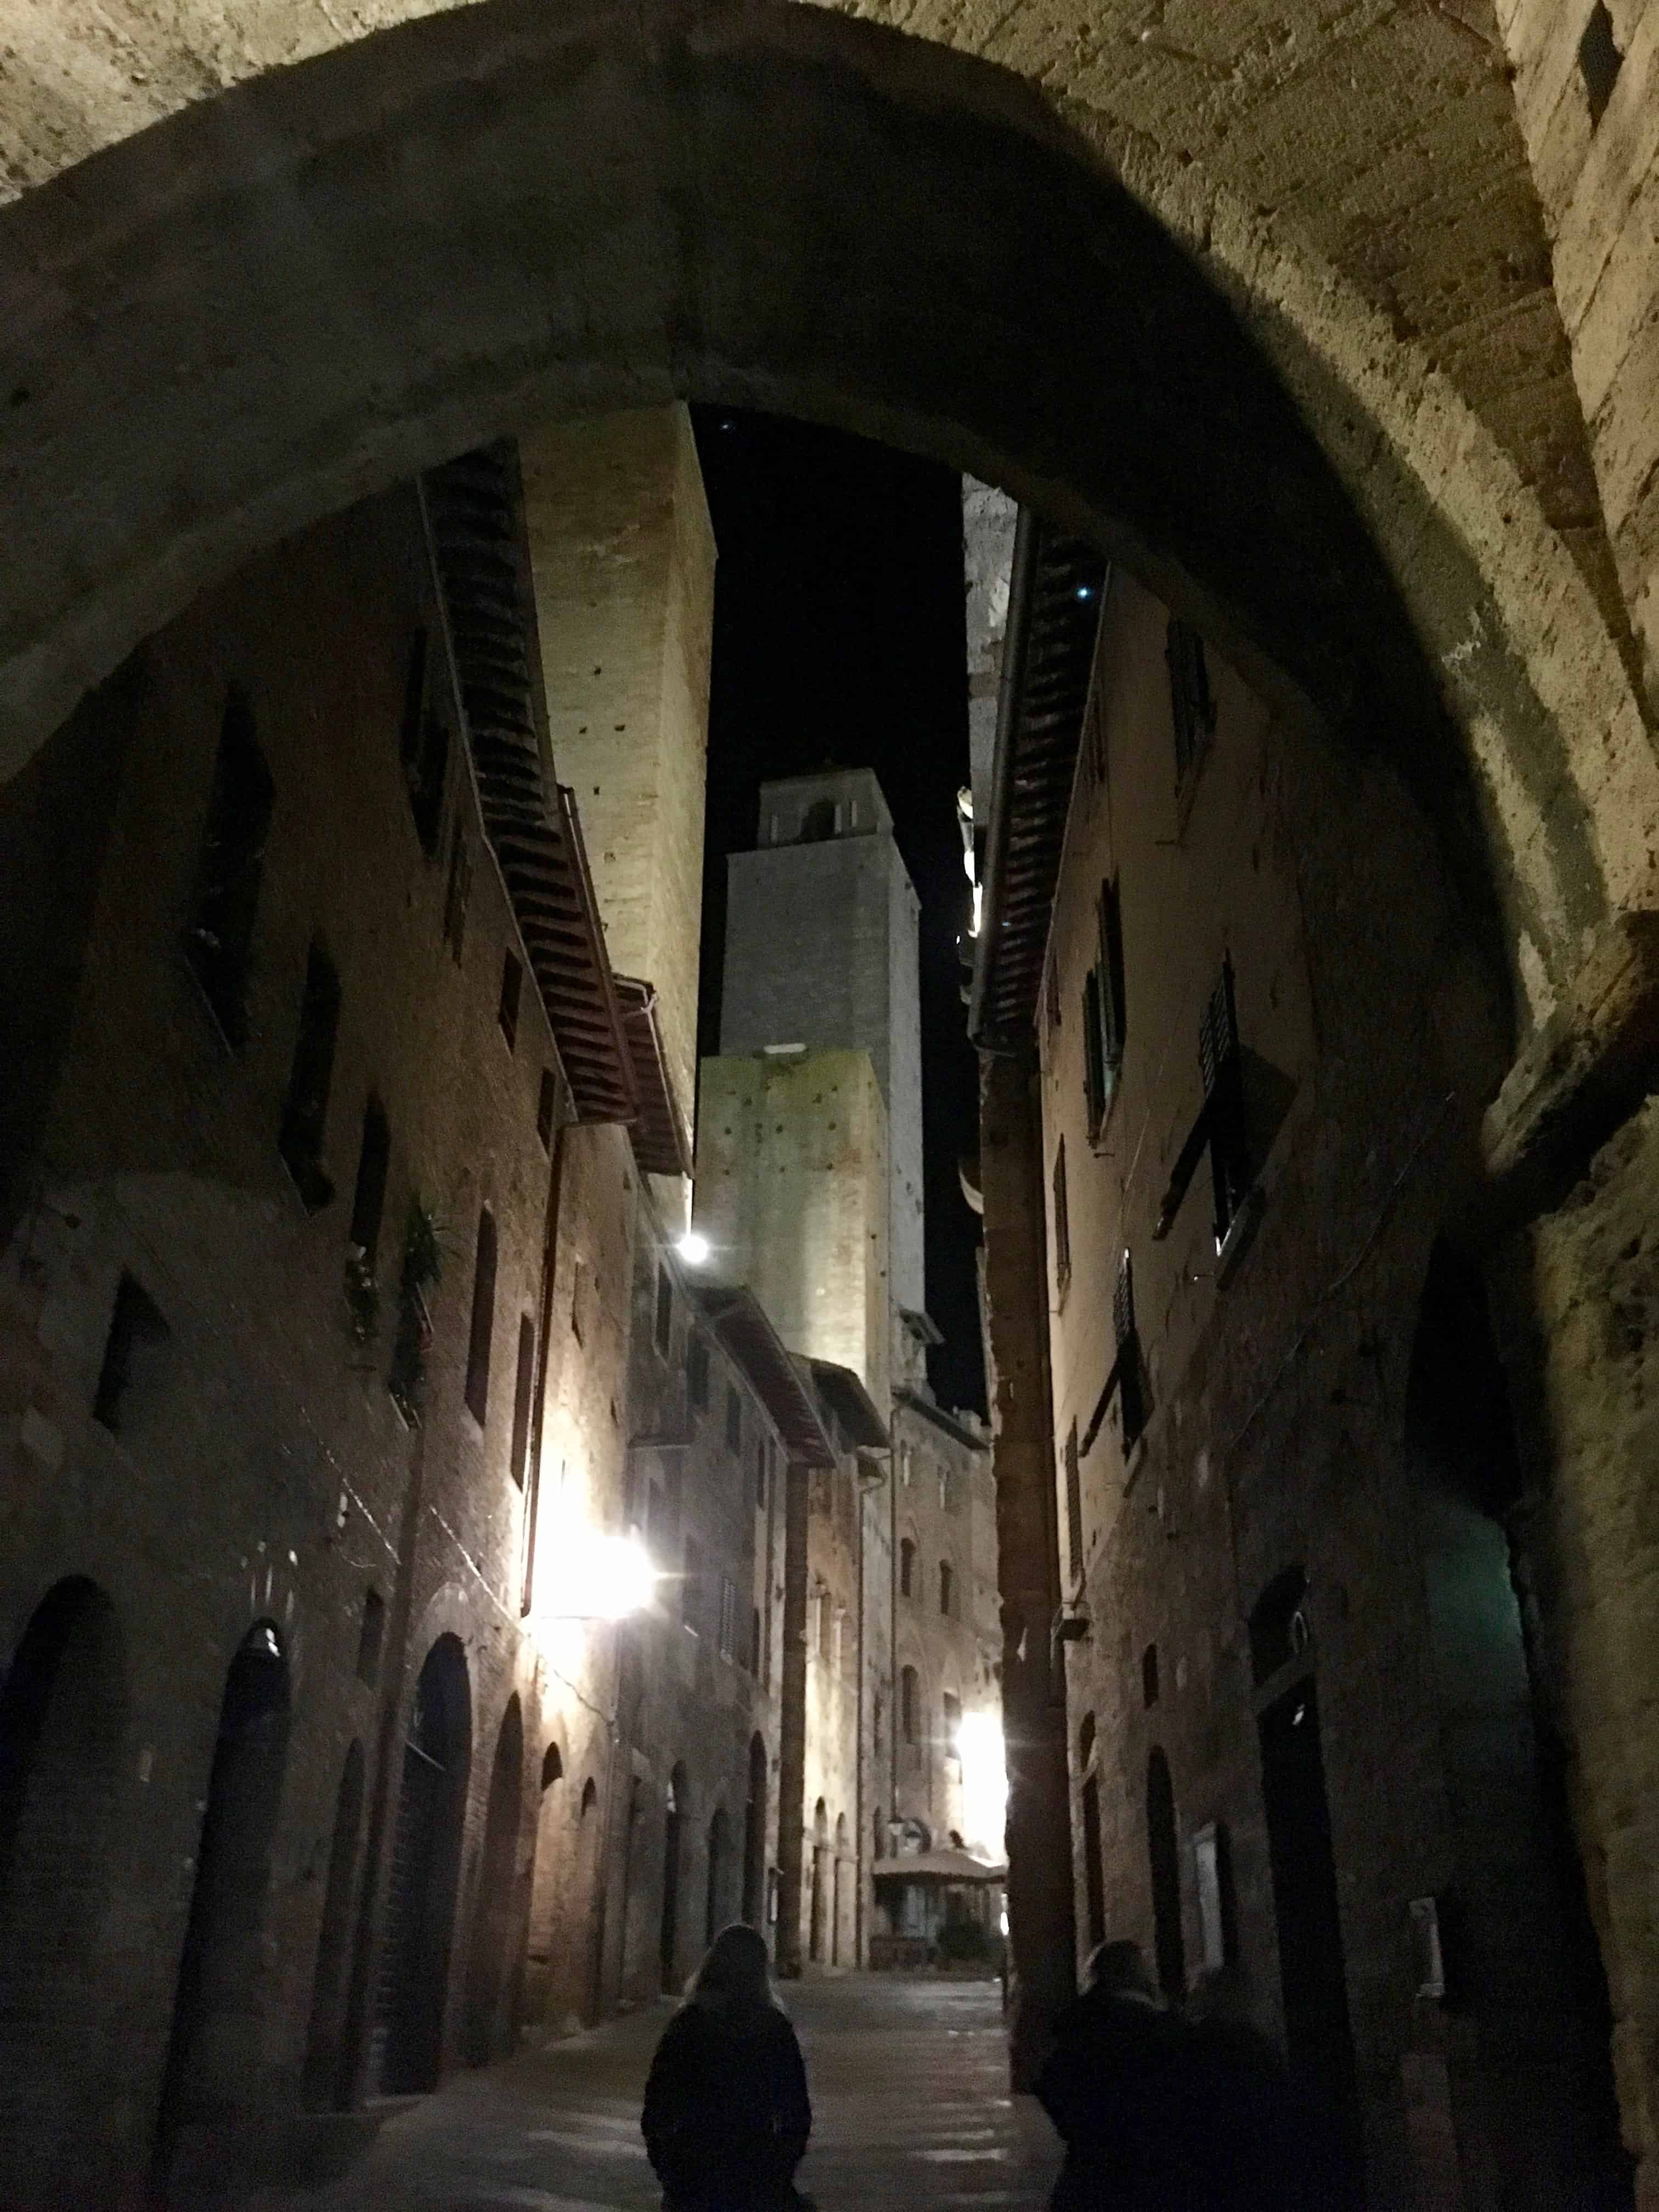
946,1588
1095,1092
907,1567
546,1104
907,1688
1062,1223
1073,1504
1051,995
1131,1407
459,890
824,1620
219,935
371,1636
1224,1098
423,746
506,1013
305,1110
523,1388
368,1195
755,1642
1191,702
691,1587
760,1475
1599,61
696,1371
728,1618
483,1319
733,1420
662,1331
134,1355
1149,1676
952,1726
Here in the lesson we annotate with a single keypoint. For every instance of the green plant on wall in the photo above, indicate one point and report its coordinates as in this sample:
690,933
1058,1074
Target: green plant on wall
422,1264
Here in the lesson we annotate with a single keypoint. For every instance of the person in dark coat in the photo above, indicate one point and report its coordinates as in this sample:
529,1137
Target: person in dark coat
1113,2086
727,2113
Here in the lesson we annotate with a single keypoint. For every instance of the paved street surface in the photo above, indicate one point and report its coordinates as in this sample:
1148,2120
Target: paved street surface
910,2104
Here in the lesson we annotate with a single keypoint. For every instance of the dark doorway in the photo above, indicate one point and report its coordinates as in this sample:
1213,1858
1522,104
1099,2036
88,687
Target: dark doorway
1164,1855
673,1848
820,1869
1533,2078
62,1718
426,1858
216,2049
713,1919
495,1912
1094,1882
1310,1960
327,2068
754,1836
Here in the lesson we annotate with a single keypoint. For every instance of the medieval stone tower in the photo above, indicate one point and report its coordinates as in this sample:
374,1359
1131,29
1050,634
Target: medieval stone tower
820,983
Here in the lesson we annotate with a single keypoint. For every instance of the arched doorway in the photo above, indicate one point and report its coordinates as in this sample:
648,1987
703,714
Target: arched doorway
216,2050
63,1721
840,1939
327,2066
549,1872
1164,1858
820,1880
495,1911
1094,1879
754,1836
714,1905
1531,2074
1313,1972
673,1848
426,1861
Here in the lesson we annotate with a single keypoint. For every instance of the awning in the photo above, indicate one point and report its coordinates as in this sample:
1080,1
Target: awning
854,1408
939,1866
662,1137
744,1329
1053,615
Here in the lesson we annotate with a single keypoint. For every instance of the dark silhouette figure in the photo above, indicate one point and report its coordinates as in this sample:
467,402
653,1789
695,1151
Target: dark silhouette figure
1112,2087
1253,2144
727,2114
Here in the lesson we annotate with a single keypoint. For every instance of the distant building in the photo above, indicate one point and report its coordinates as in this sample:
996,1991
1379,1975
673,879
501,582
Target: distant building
809,1190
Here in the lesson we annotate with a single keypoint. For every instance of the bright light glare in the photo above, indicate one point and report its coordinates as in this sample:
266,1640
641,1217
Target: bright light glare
693,1249
984,1780
603,1578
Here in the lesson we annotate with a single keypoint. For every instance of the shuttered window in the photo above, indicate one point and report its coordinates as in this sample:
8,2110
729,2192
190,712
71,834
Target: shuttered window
1130,1402
1223,1092
1062,1223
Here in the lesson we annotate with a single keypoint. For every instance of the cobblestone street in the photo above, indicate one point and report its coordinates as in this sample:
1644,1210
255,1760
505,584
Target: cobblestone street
910,2103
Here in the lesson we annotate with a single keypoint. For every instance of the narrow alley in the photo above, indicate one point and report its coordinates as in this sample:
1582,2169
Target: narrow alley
910,2081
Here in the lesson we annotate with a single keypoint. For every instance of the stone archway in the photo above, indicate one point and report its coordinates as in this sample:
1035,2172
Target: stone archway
497,213
496,1910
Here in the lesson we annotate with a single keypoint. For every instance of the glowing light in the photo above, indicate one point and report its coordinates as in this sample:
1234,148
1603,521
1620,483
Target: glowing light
984,1780
602,1578
693,1249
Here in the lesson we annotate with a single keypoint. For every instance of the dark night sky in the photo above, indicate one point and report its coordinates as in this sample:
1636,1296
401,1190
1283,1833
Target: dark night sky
838,637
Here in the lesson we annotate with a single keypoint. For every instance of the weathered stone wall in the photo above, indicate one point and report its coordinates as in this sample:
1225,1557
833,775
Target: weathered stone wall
792,1195
255,1469
1278,1383
1586,81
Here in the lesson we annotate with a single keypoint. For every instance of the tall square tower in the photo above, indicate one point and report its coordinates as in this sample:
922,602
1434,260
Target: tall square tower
821,952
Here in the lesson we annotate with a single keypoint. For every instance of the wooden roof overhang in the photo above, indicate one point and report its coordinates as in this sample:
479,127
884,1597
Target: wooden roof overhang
662,1136
854,1409
473,507
745,1329
1053,617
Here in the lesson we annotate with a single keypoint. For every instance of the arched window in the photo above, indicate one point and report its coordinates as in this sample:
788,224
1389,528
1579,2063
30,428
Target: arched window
483,1319
907,1567
1278,1624
946,1588
908,1700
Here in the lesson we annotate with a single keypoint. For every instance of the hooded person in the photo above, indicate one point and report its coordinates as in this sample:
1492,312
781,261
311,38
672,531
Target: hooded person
727,2113
1111,2085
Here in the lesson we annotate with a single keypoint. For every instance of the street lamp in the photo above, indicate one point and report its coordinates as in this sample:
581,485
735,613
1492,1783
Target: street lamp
602,1578
693,1249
